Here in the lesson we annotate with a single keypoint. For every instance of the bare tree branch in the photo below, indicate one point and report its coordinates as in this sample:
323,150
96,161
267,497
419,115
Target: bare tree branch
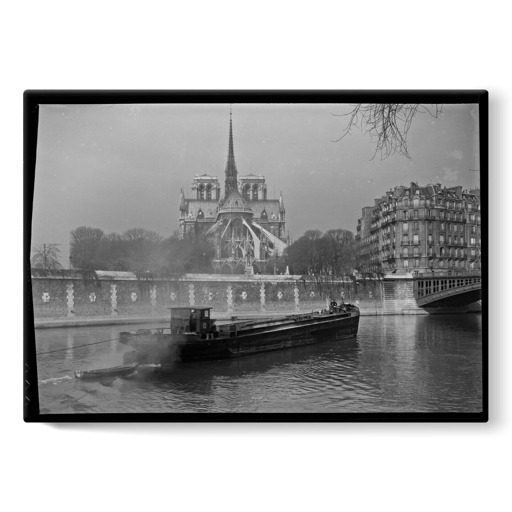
46,256
387,124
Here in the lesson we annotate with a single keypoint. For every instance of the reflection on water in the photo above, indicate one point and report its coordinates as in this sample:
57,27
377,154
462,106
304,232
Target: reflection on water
396,364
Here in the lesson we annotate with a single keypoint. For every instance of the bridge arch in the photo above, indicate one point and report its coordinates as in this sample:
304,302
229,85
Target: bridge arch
447,290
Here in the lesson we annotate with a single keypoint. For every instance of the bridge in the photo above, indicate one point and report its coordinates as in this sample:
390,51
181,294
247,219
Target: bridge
447,291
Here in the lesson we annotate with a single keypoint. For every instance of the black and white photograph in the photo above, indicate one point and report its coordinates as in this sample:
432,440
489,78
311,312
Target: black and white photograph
256,256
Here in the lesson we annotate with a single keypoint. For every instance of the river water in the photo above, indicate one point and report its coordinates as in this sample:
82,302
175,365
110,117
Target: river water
396,364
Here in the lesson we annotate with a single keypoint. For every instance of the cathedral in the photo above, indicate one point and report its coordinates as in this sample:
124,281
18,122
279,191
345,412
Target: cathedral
247,229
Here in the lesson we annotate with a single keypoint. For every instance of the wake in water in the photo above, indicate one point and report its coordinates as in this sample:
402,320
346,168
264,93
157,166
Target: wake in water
141,370
55,380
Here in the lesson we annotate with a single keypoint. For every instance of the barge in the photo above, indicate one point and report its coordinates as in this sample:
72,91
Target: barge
194,336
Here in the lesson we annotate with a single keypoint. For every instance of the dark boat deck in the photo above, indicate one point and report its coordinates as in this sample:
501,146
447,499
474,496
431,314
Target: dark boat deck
288,320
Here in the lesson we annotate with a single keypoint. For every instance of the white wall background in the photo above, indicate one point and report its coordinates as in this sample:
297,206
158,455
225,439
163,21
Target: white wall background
238,45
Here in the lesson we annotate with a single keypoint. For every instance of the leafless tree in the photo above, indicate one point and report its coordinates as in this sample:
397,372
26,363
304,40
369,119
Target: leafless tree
387,124
84,247
46,256
328,254
141,234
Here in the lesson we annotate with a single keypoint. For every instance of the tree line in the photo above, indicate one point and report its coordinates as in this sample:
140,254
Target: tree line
332,253
135,250
141,250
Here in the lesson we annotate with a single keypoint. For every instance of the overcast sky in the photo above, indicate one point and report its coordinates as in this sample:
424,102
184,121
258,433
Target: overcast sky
121,166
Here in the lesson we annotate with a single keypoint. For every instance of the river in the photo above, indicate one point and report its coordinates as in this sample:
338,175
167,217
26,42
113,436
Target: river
396,364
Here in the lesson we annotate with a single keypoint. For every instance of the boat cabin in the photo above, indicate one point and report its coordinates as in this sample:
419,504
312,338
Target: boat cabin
191,319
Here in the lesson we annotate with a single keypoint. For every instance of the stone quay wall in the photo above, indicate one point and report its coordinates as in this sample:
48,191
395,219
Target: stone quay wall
91,294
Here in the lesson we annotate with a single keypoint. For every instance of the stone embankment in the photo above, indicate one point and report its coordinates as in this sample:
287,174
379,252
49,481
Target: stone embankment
75,298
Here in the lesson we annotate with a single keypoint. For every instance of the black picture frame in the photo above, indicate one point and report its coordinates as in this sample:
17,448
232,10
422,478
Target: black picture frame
34,98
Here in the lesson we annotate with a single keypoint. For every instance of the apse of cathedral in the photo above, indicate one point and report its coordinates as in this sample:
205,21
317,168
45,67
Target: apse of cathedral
246,228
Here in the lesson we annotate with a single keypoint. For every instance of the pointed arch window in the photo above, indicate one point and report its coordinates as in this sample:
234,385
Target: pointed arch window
247,192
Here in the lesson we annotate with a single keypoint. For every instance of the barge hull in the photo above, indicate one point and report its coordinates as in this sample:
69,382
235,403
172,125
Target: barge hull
251,339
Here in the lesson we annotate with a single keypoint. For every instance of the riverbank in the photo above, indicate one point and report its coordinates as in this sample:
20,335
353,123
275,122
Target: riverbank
42,323
46,323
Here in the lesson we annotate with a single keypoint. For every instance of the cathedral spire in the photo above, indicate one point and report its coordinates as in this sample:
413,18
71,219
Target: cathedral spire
231,172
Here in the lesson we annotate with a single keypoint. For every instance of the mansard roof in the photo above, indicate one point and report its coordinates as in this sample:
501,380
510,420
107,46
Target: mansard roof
430,190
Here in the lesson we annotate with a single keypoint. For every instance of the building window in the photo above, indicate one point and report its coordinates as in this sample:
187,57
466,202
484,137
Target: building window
417,262
430,238
406,263
416,239
415,214
441,214
416,225
442,226
416,251
430,225
405,252
472,241
405,239
405,226
449,239
441,239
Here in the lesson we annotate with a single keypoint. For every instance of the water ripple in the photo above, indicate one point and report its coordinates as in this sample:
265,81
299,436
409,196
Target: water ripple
396,364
